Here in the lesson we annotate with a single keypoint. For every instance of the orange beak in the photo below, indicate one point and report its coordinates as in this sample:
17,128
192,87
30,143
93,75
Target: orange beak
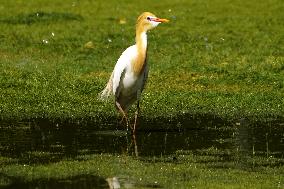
161,20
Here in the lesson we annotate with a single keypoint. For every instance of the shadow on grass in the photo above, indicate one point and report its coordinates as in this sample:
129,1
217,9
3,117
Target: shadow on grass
41,17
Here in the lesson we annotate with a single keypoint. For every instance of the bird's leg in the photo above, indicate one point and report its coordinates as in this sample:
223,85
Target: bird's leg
136,116
124,116
135,145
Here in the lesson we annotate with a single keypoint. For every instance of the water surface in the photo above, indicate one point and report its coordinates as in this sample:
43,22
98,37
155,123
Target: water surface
61,140
39,143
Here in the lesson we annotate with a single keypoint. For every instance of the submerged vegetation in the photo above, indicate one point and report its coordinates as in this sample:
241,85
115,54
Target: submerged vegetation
185,171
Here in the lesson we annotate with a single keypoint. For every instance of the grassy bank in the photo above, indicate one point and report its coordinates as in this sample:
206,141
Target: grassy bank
217,57
206,169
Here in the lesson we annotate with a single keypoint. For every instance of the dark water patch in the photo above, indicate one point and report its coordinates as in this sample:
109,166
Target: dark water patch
44,143
41,17
34,142
184,122
79,181
241,145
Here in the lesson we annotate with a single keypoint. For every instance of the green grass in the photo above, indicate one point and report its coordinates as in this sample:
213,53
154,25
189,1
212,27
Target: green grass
219,58
223,58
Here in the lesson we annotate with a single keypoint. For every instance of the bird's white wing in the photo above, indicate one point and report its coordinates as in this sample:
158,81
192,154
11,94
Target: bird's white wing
122,65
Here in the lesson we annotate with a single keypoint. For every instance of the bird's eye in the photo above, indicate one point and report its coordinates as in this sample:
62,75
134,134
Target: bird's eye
148,18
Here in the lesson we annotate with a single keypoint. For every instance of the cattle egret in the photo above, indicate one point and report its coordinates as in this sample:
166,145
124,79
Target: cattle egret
131,70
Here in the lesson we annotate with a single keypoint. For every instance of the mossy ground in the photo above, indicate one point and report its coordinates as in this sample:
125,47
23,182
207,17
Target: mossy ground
182,170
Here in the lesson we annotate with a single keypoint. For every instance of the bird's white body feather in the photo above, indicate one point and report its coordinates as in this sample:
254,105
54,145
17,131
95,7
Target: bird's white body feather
127,86
124,84
123,70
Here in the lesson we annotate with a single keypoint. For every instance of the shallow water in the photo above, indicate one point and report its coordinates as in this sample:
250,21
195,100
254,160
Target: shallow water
33,143
18,139
69,140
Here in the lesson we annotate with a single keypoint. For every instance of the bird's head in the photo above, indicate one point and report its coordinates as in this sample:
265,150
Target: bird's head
147,21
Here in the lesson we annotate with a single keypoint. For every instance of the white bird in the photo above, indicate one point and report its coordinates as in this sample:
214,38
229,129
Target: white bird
131,70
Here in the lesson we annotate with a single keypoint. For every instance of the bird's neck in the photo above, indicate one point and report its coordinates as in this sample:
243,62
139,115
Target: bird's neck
141,43
141,40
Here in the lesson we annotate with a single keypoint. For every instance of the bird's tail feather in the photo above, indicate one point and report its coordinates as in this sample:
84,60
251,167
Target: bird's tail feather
107,92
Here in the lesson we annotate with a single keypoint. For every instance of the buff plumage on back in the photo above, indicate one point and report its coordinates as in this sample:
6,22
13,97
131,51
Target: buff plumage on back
141,27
